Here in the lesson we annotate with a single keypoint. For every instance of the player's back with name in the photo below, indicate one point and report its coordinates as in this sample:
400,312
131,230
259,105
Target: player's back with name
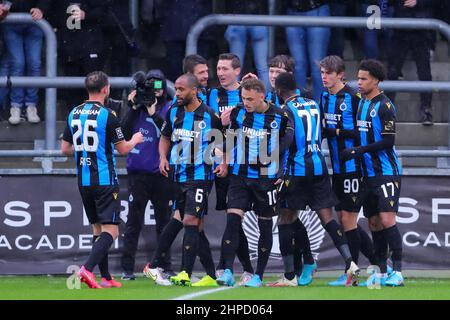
93,130
304,156
190,133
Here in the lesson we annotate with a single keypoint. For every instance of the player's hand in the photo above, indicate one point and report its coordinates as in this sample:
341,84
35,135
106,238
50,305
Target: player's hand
225,117
36,14
152,109
410,3
350,153
3,12
222,170
249,76
278,182
131,96
137,138
164,167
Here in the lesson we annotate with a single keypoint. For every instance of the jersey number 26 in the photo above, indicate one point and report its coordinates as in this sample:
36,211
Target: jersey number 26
90,137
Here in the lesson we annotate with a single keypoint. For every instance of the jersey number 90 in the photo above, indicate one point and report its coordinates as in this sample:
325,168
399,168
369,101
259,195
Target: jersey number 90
90,137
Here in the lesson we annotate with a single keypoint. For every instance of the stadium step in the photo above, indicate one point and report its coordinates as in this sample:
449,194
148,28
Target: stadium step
26,132
408,104
415,134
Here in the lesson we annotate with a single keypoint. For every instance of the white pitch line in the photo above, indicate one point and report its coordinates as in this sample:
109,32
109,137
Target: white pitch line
201,293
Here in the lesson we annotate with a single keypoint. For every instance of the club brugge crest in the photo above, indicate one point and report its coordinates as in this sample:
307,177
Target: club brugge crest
373,113
343,106
202,125
274,124
309,218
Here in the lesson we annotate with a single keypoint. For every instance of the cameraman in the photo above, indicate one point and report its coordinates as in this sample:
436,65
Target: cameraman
145,182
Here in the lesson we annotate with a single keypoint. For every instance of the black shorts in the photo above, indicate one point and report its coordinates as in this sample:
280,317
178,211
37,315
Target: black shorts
247,194
221,192
102,204
381,194
348,190
314,191
191,198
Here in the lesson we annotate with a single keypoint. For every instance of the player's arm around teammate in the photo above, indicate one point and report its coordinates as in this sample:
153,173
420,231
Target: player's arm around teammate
339,105
197,66
308,182
381,168
257,126
186,135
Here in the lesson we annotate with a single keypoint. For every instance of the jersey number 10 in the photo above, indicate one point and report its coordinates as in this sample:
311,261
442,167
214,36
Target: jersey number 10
88,145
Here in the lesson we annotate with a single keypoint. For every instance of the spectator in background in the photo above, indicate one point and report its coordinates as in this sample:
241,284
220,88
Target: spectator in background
23,44
259,35
118,33
418,42
308,45
443,10
371,37
145,182
80,40
4,65
180,15
338,8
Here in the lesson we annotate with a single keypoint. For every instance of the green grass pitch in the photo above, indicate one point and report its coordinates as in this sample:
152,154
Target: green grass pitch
54,288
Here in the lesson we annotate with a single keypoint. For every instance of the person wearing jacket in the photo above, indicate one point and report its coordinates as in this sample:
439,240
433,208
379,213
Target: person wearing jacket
145,182
417,41
80,39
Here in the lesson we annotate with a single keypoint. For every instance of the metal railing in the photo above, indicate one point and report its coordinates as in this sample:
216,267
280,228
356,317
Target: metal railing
134,13
57,155
302,21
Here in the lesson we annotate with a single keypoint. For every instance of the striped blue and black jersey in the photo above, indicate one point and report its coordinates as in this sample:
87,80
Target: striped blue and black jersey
304,156
257,141
220,99
93,130
190,134
203,95
339,112
376,118
271,96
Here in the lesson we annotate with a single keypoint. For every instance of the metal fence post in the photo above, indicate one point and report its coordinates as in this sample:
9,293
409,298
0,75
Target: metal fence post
134,13
272,9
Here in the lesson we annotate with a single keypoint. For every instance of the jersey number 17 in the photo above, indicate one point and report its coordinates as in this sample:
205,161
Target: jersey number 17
309,127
